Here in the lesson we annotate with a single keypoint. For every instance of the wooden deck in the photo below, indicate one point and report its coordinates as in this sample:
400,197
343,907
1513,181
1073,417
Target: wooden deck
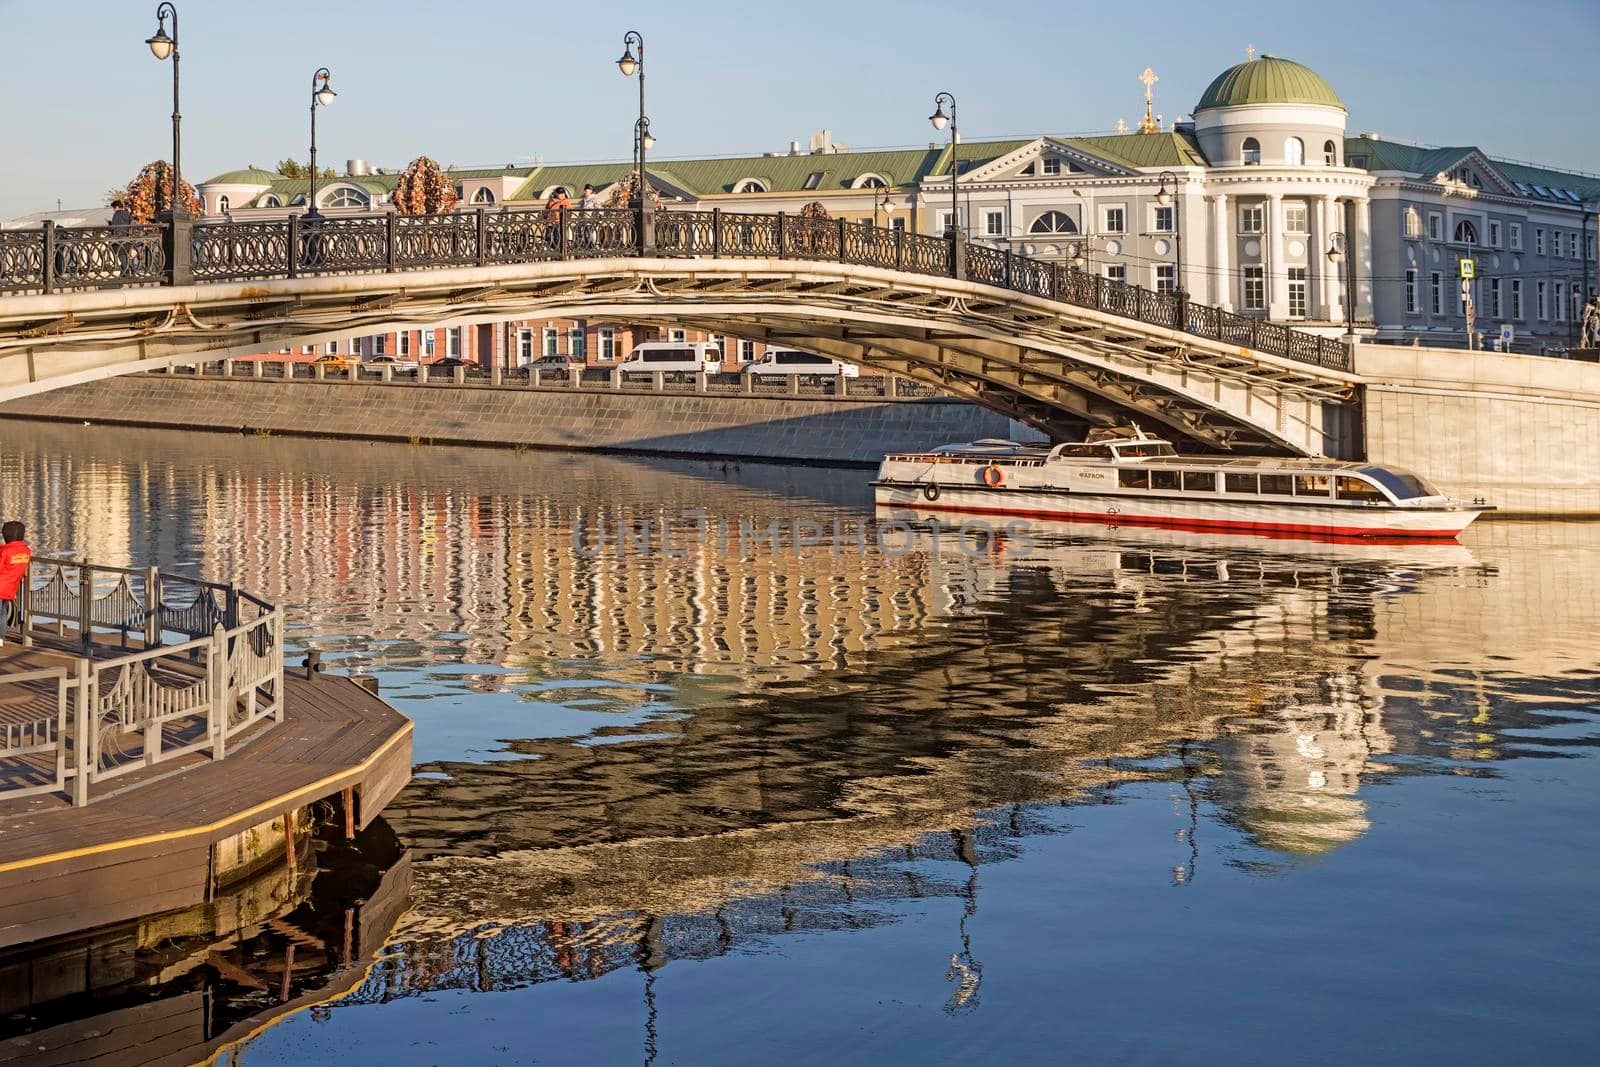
148,846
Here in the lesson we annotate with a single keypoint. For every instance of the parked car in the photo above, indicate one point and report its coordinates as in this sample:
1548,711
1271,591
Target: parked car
334,361
789,363
399,366
450,363
673,357
556,363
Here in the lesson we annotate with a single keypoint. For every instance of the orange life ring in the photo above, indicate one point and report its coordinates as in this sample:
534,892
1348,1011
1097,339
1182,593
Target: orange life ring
993,476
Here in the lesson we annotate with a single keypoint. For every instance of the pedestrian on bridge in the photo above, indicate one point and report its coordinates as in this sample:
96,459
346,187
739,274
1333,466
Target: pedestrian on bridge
554,210
589,202
15,555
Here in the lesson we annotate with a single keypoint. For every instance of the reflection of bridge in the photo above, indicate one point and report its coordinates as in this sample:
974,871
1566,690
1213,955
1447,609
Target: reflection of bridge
1042,342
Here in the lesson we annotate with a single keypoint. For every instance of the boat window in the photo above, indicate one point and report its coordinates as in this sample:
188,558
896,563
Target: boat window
1154,448
1356,489
1200,481
1240,483
1281,484
1139,479
1403,484
1311,485
1096,451
1163,479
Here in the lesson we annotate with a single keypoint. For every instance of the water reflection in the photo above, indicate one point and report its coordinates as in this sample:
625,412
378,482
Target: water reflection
629,759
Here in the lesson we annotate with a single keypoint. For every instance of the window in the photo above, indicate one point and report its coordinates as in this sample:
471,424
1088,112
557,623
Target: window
1411,290
944,223
1163,218
1348,488
1116,220
403,343
525,345
677,337
483,195
1294,217
1588,245
1166,278
1541,310
1494,233
1436,293
1560,302
306,350
1494,298
552,341
1133,479
347,197
1199,482
747,351
1538,242
1555,244
750,185
1116,272
1282,484
1572,246
1516,237
1516,298
717,341
380,344
577,343
813,179
1051,166
1413,222
1053,222
429,343
1358,161
1435,226
1164,480
356,346
1252,218
994,223
1297,292
1239,483
1255,289
452,342
1466,233
271,201
1030,170
1251,151
1312,485
898,224
222,204
1294,152
1330,154
608,342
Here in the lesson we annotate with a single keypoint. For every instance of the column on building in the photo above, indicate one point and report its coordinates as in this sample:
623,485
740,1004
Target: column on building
1277,273
1363,246
1329,272
1222,264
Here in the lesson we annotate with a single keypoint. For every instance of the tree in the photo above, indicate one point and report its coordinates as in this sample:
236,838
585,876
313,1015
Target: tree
290,168
150,193
114,194
424,189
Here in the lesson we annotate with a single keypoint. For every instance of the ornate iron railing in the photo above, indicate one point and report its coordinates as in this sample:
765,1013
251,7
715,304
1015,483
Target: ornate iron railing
51,259
64,729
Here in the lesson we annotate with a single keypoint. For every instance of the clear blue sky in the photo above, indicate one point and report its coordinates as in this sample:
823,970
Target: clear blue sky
489,82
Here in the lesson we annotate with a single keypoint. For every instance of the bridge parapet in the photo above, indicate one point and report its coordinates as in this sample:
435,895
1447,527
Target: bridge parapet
58,260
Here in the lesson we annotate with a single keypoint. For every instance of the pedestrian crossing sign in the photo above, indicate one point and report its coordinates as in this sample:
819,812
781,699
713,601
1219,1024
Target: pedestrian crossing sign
1468,268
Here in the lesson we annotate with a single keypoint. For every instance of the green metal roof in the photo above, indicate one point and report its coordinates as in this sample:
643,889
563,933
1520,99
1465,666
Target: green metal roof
248,176
1426,162
1140,150
1268,80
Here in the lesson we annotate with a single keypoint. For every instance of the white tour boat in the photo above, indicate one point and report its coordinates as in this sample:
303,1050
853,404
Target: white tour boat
1139,480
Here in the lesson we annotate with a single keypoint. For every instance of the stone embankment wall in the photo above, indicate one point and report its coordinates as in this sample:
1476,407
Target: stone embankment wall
1521,432
789,428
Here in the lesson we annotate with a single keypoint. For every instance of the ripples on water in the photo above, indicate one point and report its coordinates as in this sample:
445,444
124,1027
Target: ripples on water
1110,796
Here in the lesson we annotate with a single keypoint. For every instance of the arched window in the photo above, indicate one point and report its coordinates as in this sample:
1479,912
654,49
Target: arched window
1053,222
1466,233
222,204
271,200
1330,154
1252,150
750,185
1294,152
871,181
483,195
344,196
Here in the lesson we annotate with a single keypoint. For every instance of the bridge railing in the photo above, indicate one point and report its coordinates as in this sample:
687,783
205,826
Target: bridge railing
52,259
207,668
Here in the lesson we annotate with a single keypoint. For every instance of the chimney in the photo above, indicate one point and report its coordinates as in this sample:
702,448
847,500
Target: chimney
794,148
356,168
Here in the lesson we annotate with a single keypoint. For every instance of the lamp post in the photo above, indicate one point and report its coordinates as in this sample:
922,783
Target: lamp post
321,95
164,47
884,202
630,65
1163,197
939,119
1337,251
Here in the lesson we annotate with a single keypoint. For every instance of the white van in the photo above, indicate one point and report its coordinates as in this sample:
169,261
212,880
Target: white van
789,362
672,357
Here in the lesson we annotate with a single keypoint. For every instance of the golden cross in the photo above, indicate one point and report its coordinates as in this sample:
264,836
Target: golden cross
1249,51
1122,127
1149,78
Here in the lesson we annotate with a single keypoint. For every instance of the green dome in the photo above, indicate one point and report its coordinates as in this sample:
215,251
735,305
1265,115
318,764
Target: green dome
248,176
1268,80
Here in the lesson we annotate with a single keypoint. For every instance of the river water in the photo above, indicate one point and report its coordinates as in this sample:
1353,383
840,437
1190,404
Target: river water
1078,796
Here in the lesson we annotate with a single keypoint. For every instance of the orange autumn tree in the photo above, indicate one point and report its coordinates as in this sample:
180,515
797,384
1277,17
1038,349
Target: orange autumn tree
150,193
424,189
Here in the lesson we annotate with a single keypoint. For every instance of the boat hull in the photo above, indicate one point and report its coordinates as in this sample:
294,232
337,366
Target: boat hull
1182,513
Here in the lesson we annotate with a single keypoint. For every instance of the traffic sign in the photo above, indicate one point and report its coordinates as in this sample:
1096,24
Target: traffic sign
1508,334
1468,268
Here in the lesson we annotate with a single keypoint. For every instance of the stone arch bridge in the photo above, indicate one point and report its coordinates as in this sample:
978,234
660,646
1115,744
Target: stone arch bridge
1044,343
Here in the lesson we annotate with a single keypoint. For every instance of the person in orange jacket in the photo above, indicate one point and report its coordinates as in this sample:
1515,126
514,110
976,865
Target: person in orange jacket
15,555
554,209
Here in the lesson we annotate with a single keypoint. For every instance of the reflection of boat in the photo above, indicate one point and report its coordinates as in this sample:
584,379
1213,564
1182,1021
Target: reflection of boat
1142,481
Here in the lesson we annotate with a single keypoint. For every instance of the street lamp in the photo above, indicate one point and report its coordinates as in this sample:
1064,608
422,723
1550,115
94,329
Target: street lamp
321,95
882,200
1163,197
939,119
630,65
164,47
1337,251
